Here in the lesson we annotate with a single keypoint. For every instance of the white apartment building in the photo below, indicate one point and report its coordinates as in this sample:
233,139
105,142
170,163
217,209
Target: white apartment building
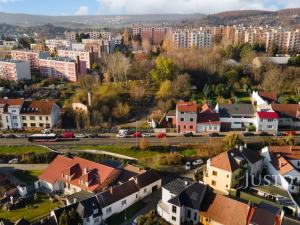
14,70
30,56
58,42
7,44
83,56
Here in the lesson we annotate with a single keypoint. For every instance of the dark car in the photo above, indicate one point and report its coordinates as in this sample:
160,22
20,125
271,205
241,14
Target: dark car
93,135
189,134
214,135
248,134
264,134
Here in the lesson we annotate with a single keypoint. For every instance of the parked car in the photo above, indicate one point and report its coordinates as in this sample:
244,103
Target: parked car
161,135
279,134
13,161
214,135
188,166
197,162
21,135
137,134
81,136
67,134
9,136
264,134
146,135
121,136
189,134
290,132
248,134
124,132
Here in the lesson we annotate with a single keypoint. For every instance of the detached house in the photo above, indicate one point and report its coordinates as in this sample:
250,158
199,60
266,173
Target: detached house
208,120
229,169
289,115
10,113
186,117
77,174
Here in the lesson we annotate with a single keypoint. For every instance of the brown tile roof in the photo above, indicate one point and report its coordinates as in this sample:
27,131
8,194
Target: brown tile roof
292,110
281,164
10,102
289,152
226,160
36,107
273,96
99,176
226,211
261,216
187,106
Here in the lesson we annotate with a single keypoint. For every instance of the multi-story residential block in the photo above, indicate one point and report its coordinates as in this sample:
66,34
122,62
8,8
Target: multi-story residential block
39,114
186,117
14,70
84,56
29,56
190,38
58,43
10,113
100,46
8,44
78,47
62,68
155,34
28,114
70,35
228,170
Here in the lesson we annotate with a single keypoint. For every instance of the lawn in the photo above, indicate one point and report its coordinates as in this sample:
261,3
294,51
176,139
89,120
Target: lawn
22,149
27,176
39,208
129,212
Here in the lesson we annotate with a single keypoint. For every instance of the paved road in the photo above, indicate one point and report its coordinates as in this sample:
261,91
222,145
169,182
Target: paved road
131,141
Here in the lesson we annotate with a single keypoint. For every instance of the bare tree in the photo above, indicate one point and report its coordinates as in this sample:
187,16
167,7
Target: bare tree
146,45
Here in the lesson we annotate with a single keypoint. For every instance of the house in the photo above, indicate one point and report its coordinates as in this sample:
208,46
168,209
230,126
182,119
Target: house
96,209
10,113
222,210
181,202
266,121
289,115
77,174
186,117
260,215
208,120
230,169
39,114
283,162
260,98
236,116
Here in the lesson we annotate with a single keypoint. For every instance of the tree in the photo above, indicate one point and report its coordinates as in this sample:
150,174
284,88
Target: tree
64,219
165,91
231,140
146,45
74,217
121,110
182,86
137,91
164,69
144,144
273,80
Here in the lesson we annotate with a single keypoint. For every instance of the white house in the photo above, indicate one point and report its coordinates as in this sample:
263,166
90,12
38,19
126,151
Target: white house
181,202
10,113
266,121
261,99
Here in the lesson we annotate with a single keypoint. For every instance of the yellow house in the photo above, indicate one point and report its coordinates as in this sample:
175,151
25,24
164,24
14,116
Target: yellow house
226,171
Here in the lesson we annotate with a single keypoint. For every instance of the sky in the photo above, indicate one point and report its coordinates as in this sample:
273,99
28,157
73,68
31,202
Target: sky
113,7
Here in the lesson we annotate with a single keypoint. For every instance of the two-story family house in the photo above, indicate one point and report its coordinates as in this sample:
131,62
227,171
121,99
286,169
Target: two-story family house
289,115
230,169
10,113
186,117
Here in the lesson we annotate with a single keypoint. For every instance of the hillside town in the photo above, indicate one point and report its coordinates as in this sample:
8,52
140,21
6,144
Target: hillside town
182,121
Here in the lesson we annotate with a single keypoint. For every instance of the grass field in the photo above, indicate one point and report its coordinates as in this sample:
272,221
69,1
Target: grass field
27,176
129,213
22,149
39,208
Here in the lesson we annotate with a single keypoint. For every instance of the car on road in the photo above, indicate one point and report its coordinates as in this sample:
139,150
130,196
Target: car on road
81,136
137,134
197,162
67,134
161,135
188,134
145,135
21,135
290,132
188,166
13,161
214,135
248,134
121,136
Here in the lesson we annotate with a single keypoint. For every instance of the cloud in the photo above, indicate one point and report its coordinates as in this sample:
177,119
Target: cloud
189,6
81,11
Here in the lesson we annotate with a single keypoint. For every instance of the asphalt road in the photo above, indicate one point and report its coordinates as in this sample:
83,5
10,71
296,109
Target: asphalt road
131,141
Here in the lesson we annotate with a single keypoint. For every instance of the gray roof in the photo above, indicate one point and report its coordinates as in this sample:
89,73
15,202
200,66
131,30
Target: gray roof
227,110
79,196
177,186
280,60
289,221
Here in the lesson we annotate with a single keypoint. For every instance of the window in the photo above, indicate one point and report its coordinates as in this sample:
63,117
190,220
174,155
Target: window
136,196
195,216
145,190
191,119
32,117
214,173
270,127
32,124
181,119
123,202
14,117
23,117
108,210
173,218
24,124
47,118
41,118
184,126
227,176
95,211
213,182
14,111
226,185
15,124
41,125
191,127
47,125
188,214
174,209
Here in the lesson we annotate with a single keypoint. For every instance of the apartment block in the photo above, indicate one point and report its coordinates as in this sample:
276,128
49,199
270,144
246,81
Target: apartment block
14,70
58,42
62,68
30,56
155,34
84,56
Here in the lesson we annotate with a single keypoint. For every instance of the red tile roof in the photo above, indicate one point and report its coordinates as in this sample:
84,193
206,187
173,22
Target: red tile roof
267,115
292,110
187,106
268,95
80,170
36,107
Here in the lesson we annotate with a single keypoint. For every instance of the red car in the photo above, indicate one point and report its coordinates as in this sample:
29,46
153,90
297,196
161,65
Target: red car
290,132
67,134
161,135
137,135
